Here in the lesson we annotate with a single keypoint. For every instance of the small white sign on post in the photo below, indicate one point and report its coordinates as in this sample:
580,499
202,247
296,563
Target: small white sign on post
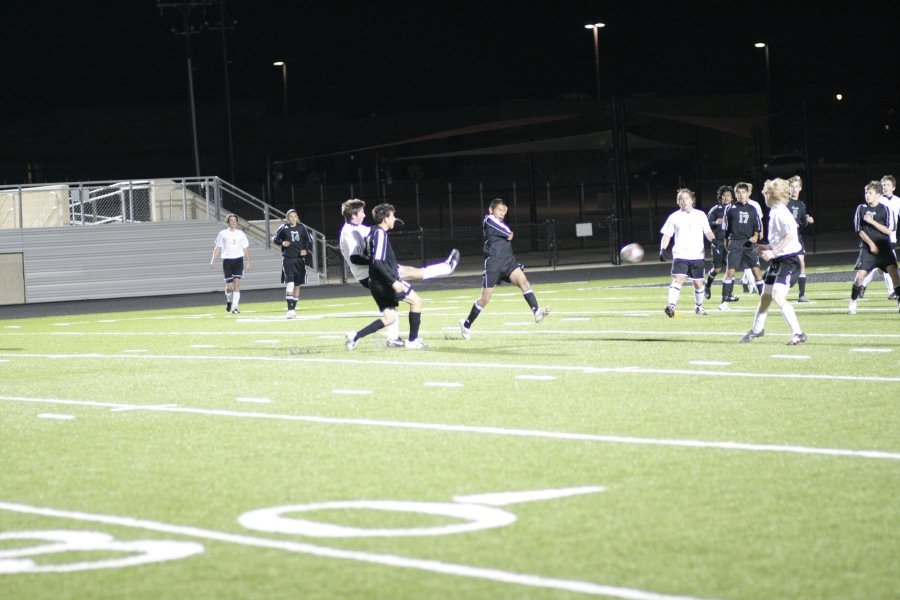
584,229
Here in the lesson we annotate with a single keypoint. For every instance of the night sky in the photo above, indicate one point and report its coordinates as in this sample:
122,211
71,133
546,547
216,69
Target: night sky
369,58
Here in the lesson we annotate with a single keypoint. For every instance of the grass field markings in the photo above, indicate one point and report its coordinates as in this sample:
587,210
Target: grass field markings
390,560
537,377
443,384
711,363
254,400
871,350
507,498
791,356
331,337
473,365
352,392
58,416
136,350
70,323
477,429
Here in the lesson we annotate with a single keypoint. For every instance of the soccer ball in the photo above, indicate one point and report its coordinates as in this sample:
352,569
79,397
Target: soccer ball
632,253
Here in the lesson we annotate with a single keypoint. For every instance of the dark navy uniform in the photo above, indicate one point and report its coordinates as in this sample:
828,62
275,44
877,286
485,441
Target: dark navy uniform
499,260
740,223
867,261
717,246
384,270
293,266
798,210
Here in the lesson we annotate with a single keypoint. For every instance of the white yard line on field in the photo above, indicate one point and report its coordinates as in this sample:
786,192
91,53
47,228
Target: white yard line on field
394,363
480,430
390,560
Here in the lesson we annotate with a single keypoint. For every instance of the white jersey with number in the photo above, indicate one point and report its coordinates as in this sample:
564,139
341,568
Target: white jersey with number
688,229
351,236
232,242
781,225
893,203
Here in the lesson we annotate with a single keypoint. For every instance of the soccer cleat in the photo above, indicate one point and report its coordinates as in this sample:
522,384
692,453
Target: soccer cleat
746,287
453,260
797,338
351,340
291,314
699,310
851,310
893,296
862,292
803,298
707,294
724,306
235,311
395,343
416,344
541,314
731,299
751,335
465,331
228,306
670,311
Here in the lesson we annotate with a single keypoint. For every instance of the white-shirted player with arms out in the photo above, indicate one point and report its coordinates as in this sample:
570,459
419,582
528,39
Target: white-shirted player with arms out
688,227
234,247
782,252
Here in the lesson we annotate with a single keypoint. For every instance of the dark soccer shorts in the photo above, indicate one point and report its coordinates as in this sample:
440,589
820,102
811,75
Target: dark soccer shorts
497,269
385,295
868,261
293,270
739,257
782,270
692,268
717,254
233,268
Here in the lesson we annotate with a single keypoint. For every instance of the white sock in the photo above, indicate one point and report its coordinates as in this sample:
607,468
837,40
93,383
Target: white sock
228,296
759,321
869,276
698,296
236,299
790,315
393,330
747,278
436,270
674,292
888,282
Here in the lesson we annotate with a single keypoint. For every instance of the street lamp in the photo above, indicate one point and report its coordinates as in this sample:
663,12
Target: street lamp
768,72
283,65
596,27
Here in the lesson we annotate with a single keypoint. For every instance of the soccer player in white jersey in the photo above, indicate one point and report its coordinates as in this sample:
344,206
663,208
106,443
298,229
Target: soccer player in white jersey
353,235
888,185
782,252
234,247
687,227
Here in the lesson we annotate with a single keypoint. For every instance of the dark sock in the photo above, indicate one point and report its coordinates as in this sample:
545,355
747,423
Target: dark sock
531,300
473,314
709,281
854,292
727,289
369,329
415,319
801,282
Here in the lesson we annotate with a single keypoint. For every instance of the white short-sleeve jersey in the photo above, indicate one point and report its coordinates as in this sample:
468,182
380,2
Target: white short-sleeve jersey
781,225
893,203
351,236
688,229
232,242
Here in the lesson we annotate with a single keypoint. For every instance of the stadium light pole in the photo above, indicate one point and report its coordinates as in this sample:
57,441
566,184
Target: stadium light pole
596,27
765,46
283,65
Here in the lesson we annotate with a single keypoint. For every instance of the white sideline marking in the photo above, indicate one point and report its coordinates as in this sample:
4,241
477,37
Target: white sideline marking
482,430
506,498
790,356
14,327
4,361
352,392
268,341
254,400
126,408
871,350
443,384
710,363
56,416
473,365
536,377
390,560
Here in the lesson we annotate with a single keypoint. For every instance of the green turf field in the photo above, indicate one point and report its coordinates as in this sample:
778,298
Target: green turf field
609,451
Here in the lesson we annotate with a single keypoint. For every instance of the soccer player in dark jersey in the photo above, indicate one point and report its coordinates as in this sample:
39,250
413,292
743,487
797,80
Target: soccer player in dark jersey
385,284
500,264
742,227
295,243
888,185
804,220
874,222
725,196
